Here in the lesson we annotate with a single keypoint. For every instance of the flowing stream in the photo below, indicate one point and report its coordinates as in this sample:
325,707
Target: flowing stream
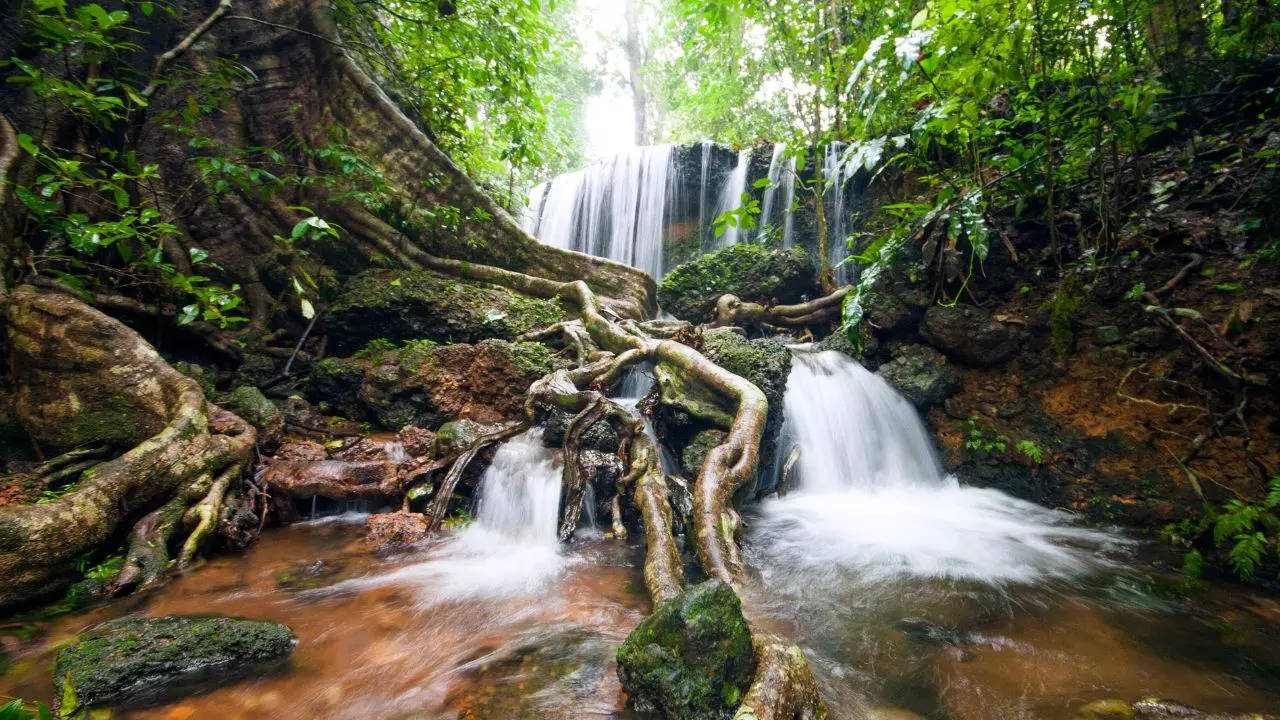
913,594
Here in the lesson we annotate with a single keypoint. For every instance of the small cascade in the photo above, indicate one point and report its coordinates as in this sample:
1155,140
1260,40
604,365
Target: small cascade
511,548
731,199
872,498
615,209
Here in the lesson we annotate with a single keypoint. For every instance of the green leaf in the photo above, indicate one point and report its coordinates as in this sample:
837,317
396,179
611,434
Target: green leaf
189,314
26,142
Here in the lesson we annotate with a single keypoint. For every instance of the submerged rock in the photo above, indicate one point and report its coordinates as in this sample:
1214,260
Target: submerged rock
136,661
1155,709
399,305
396,528
921,374
969,334
691,659
751,272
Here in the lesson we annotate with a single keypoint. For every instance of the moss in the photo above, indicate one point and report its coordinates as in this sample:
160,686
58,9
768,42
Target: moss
533,358
1062,307
751,272
396,306
692,658
134,659
695,453
249,403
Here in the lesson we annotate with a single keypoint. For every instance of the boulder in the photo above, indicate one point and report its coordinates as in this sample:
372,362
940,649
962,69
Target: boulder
396,528
398,305
600,436
425,384
893,302
695,453
418,442
249,403
751,272
766,362
137,661
969,334
691,659
921,374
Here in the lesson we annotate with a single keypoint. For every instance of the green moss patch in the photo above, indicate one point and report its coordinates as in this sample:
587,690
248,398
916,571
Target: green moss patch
751,272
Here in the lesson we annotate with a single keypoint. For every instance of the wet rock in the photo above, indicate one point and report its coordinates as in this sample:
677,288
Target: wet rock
303,418
136,661
1106,335
309,575
418,442
304,450
695,453
600,436
1149,338
458,435
396,528
751,272
399,305
893,303
968,333
921,374
249,403
424,384
692,658
333,479
766,362
839,341
1154,709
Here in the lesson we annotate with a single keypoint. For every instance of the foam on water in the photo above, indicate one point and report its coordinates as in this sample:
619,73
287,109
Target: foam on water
873,503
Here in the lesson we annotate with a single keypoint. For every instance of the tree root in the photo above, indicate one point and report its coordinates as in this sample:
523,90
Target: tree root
732,310
203,515
440,504
784,687
78,372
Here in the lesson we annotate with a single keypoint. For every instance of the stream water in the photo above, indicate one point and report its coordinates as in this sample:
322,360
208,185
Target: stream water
911,595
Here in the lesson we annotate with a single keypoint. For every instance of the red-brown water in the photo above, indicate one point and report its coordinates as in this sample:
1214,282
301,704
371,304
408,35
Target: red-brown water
368,649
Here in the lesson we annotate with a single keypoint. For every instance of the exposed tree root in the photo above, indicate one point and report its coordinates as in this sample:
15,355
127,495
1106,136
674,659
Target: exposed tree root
440,504
732,310
80,375
784,687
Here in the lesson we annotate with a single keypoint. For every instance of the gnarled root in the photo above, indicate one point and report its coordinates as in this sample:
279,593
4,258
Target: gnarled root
440,504
784,688
82,376
732,310
663,573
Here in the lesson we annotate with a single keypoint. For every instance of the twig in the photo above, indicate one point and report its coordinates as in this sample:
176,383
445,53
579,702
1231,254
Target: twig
298,347
300,31
183,46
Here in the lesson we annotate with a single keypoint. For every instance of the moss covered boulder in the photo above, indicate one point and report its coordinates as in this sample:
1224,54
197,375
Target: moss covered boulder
692,658
424,384
921,374
249,403
137,661
399,305
765,362
751,272
969,334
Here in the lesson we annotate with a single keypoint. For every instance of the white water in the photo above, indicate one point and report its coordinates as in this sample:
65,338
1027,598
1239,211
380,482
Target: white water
872,499
511,548
615,209
731,199
837,174
781,176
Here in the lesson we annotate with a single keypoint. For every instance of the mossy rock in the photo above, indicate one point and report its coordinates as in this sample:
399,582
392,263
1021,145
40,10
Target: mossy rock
751,272
139,661
921,374
399,305
695,453
766,363
422,383
692,658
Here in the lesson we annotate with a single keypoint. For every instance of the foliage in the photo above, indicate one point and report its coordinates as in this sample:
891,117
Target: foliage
1063,306
499,84
1247,530
1031,450
983,438
21,710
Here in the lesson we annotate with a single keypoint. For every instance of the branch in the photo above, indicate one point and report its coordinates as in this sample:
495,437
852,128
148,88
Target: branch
183,46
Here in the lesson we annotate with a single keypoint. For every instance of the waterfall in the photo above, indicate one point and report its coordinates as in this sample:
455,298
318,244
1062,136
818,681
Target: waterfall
872,499
837,174
511,548
706,238
533,211
731,199
784,178
614,209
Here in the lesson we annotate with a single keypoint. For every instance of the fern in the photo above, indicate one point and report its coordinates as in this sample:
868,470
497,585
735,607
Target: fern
1246,554
1237,517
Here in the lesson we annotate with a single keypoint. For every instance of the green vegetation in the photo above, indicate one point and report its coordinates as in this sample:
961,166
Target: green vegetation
751,272
1062,307
983,438
1246,531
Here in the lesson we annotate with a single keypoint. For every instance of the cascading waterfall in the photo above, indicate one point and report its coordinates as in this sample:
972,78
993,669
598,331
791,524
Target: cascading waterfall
781,176
512,547
872,498
706,237
731,199
615,209
837,174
